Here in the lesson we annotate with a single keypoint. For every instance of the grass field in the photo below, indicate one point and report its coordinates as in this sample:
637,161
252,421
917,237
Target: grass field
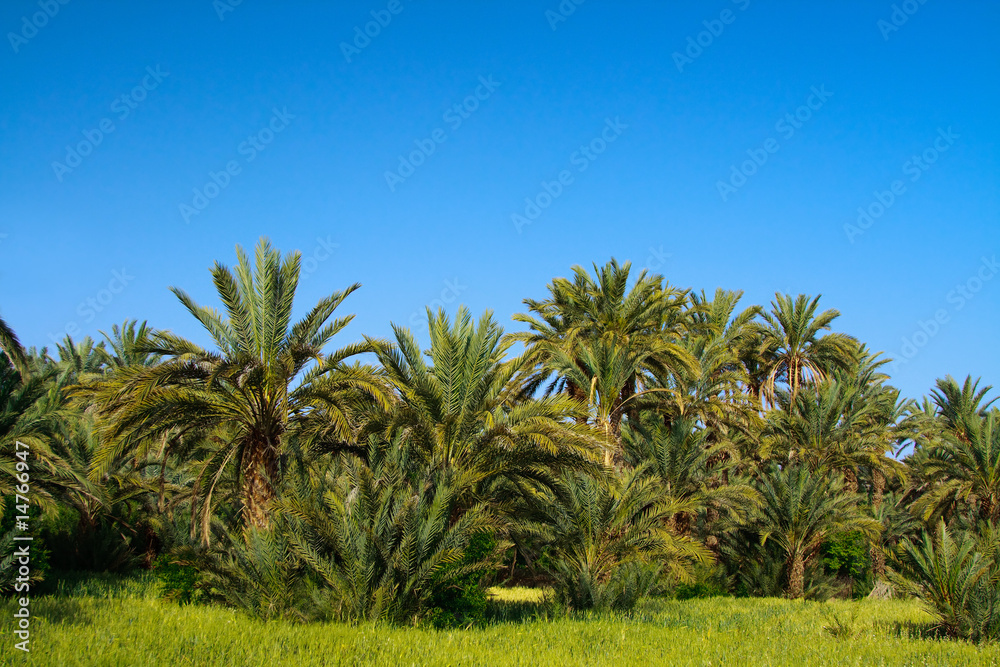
124,624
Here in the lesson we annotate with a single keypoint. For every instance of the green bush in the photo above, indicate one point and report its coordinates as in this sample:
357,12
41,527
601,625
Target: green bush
462,601
176,579
848,555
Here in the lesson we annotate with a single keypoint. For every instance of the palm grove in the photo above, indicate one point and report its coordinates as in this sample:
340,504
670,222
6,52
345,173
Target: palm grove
646,440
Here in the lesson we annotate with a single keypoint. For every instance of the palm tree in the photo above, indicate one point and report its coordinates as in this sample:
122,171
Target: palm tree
244,397
714,390
130,344
831,427
791,349
608,371
466,410
607,344
385,537
690,469
115,511
898,524
609,539
31,411
961,408
964,469
800,510
444,461
948,575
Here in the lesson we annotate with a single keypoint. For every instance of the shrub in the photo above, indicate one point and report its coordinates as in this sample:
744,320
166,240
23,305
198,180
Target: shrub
462,602
176,579
848,555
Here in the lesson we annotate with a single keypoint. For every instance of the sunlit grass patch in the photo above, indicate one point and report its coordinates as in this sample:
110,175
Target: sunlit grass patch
518,594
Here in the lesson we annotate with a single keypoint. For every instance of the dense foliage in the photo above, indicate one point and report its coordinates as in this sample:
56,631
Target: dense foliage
647,440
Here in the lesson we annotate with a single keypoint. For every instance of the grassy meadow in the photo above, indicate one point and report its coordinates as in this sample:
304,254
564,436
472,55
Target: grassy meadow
102,623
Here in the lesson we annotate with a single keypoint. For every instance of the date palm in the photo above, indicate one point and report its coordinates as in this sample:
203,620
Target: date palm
461,406
251,395
961,407
609,539
605,343
800,509
792,350
833,426
965,471
130,344
714,390
689,467
31,411
609,372
384,537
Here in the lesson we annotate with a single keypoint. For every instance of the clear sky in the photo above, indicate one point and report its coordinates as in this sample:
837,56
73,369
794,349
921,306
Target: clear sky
469,153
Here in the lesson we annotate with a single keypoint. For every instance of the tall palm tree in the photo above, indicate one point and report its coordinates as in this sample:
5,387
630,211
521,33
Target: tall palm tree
461,406
608,371
245,396
605,343
714,390
833,426
792,350
690,469
800,510
961,407
965,471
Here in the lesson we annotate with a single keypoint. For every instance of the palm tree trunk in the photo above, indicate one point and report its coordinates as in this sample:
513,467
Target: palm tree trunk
627,392
576,393
878,562
878,558
850,481
257,492
878,488
796,576
987,508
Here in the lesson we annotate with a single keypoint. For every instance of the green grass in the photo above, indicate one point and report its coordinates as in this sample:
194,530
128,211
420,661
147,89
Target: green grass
104,622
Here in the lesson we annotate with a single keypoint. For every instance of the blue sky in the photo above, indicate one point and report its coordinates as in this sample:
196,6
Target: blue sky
143,141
